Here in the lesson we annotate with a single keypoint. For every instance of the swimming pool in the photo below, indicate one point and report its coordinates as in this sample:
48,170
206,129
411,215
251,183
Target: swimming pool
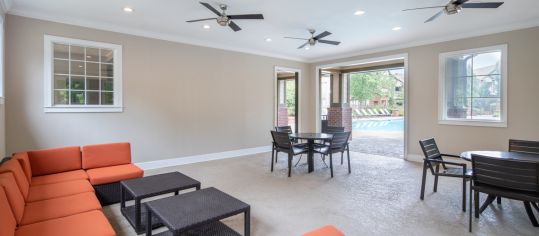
395,125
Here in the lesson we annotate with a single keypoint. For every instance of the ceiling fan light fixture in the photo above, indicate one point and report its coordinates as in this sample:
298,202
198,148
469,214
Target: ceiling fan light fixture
452,9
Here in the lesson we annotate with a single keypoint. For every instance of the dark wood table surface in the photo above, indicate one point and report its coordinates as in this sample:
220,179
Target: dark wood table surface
311,138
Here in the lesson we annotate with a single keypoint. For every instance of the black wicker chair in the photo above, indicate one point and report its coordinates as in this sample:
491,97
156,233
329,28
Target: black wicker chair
337,144
513,179
433,160
283,143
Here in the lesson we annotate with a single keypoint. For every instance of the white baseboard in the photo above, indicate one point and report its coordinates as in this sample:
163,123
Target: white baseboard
414,157
201,158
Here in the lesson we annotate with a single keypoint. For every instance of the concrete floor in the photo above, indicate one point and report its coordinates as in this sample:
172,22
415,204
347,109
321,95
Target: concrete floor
380,197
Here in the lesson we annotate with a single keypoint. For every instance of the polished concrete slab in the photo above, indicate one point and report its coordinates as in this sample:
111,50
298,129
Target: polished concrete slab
380,197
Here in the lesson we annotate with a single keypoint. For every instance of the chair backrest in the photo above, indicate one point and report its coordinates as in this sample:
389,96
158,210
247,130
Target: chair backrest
340,140
281,139
430,149
524,146
506,173
332,130
283,129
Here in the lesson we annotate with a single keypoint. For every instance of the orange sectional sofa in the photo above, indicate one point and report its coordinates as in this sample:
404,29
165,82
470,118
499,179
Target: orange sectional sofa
60,191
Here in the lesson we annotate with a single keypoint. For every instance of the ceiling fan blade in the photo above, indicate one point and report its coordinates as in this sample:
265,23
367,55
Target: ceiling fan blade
321,35
207,5
482,5
247,17
295,38
459,2
435,16
233,26
329,42
191,21
303,45
421,8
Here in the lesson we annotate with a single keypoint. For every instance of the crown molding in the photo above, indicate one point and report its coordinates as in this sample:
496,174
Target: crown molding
5,6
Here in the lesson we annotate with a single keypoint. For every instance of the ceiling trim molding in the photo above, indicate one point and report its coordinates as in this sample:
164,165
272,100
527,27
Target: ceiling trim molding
5,6
147,34
504,28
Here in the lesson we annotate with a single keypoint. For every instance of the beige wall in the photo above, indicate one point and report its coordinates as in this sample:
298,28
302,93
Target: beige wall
180,100
523,93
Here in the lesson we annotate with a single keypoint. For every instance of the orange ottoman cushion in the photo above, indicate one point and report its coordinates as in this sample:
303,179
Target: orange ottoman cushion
14,196
6,216
22,157
48,191
103,155
15,168
113,174
92,223
59,177
55,160
328,230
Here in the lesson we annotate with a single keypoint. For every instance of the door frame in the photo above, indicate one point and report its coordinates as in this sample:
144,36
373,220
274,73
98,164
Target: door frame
403,56
298,94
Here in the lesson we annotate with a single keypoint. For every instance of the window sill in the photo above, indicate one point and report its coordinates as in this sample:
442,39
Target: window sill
481,123
82,109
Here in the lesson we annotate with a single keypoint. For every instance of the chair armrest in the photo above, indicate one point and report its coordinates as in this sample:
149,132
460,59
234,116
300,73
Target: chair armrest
449,155
448,163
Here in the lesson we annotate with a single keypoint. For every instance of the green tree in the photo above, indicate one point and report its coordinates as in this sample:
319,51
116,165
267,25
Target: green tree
291,97
367,85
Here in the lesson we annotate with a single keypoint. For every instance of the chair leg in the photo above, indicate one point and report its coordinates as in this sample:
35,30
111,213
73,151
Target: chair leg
470,209
342,154
331,163
423,179
476,204
499,200
464,194
348,154
534,204
436,179
272,157
289,164
530,214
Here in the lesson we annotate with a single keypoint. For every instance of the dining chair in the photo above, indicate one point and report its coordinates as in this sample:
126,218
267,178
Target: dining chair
284,144
524,146
336,129
508,178
433,160
337,144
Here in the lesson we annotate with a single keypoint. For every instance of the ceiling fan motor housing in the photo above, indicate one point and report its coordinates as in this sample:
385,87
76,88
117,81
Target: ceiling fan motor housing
452,8
223,20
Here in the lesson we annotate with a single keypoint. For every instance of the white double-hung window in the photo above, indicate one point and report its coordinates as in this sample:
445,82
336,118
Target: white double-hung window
82,76
473,87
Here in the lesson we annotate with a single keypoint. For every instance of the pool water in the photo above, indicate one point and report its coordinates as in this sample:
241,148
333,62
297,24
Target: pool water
396,125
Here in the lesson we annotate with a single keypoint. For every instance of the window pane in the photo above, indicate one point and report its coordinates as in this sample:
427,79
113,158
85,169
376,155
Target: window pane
92,83
77,97
107,70
459,108
61,67
486,108
60,97
61,82
107,56
486,86
77,82
107,84
92,54
92,98
457,88
77,53
77,68
487,63
107,98
92,69
61,51
458,66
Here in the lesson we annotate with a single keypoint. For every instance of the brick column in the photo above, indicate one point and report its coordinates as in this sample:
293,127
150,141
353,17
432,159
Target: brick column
340,112
340,117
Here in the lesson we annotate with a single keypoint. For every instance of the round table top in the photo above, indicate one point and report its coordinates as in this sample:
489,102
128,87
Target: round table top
502,155
312,136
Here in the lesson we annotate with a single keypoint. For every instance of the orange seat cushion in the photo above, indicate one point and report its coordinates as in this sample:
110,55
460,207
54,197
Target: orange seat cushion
104,155
22,157
8,223
59,177
59,207
92,223
328,230
113,174
55,160
48,191
14,196
15,167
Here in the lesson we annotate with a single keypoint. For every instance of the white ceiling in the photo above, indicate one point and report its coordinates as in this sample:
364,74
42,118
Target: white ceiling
165,19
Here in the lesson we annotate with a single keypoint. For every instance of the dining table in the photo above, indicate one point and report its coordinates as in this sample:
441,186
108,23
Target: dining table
311,139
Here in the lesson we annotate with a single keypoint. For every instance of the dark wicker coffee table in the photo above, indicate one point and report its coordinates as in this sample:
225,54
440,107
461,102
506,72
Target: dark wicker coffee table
197,213
149,187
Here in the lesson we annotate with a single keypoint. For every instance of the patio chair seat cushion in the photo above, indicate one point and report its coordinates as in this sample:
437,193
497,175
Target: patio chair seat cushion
59,177
104,155
55,160
8,220
328,230
14,196
23,159
59,207
113,174
91,223
15,168
48,191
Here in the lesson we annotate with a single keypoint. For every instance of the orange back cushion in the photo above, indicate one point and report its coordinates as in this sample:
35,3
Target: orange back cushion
6,216
15,168
22,157
14,197
55,160
104,155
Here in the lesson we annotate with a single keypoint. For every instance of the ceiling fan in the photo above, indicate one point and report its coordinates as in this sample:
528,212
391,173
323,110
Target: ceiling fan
455,6
316,39
226,20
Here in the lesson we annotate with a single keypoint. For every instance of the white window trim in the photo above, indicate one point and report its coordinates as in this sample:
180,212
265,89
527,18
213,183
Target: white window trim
48,77
442,119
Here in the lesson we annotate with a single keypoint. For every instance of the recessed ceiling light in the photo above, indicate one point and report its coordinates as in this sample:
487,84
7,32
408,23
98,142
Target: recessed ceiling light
396,28
307,48
268,40
206,26
359,12
128,9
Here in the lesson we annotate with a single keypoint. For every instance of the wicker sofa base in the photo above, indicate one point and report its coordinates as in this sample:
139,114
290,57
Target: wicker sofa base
109,194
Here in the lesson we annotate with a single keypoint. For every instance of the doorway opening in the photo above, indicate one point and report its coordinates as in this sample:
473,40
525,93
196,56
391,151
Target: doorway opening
287,98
